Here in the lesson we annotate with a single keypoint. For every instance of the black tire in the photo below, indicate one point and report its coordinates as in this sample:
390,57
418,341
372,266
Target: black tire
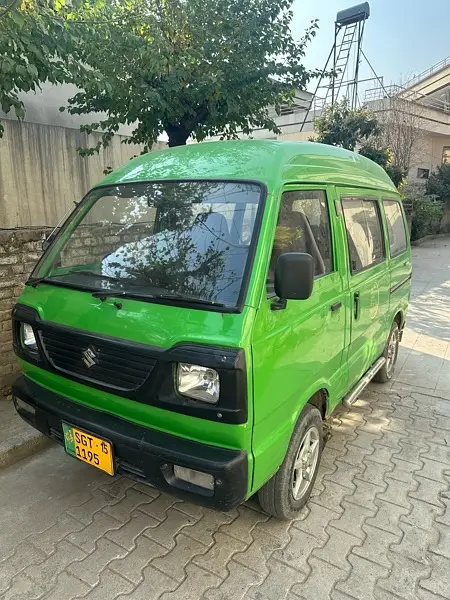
276,497
387,371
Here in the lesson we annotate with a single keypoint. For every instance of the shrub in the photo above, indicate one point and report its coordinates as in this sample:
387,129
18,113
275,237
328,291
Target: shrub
426,216
438,183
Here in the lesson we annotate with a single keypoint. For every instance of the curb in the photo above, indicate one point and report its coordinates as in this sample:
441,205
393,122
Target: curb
427,238
20,440
12,453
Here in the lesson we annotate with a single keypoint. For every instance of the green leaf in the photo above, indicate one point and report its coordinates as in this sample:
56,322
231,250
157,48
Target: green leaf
21,70
17,17
32,71
20,111
6,65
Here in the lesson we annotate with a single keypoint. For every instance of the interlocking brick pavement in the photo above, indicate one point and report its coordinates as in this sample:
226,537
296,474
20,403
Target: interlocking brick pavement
377,525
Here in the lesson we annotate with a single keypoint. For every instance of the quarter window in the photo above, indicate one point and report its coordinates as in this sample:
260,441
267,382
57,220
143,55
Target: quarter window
303,226
364,233
396,227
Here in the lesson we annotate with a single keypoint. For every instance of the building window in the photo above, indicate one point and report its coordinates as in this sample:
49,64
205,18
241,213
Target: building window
423,173
446,155
303,226
364,233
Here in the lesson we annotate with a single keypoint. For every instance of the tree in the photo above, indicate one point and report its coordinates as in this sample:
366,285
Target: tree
340,125
383,157
357,129
438,183
400,118
35,45
190,68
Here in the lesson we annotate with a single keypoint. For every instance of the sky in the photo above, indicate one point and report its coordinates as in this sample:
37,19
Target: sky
401,38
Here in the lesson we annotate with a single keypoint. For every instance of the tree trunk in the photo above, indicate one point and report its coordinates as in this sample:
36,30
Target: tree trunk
178,135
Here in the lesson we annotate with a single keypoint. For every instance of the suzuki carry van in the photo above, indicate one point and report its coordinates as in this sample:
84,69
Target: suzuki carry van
204,309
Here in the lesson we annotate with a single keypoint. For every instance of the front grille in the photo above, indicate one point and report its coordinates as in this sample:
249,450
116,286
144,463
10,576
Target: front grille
96,360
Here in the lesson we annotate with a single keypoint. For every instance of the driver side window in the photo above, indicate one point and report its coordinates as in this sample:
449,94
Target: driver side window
303,226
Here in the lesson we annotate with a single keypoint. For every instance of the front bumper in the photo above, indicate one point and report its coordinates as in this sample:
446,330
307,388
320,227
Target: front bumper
141,453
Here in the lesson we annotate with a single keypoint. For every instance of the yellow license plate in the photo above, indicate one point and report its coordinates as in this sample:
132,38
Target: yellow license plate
89,448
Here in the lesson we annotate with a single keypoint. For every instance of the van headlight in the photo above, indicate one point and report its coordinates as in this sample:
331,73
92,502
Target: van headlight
27,337
199,383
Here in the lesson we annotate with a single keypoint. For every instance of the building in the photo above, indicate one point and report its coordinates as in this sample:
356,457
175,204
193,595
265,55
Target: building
423,105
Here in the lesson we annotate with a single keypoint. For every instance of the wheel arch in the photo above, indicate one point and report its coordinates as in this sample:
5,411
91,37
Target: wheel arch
399,319
320,400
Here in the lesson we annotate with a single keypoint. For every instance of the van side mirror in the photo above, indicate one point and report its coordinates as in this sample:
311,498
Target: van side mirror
294,276
48,238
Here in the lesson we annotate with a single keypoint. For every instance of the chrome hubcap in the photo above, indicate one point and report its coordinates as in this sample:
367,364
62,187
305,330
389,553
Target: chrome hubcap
391,355
305,463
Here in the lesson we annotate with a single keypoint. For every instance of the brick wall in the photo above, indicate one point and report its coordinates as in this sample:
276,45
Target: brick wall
19,251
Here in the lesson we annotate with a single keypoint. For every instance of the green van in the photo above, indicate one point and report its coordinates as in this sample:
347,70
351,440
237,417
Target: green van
204,308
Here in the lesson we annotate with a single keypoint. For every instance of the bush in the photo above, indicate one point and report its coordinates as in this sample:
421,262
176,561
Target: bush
426,216
438,183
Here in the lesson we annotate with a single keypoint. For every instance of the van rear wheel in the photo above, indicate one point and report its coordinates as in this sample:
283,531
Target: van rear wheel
390,353
290,488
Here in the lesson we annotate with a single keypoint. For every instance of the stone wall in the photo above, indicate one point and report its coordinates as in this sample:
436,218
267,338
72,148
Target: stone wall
19,251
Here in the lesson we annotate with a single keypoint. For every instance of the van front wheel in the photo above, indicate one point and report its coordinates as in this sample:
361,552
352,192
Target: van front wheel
289,489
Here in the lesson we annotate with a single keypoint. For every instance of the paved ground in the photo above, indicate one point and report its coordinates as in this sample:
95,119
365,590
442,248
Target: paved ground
377,526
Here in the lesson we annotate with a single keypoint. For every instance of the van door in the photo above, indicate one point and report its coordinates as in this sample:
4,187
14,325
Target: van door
297,346
399,255
368,281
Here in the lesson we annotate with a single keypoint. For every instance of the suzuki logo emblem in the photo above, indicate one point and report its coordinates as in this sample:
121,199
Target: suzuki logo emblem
89,356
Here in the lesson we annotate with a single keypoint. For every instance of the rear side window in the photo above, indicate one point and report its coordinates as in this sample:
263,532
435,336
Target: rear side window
396,226
303,226
364,233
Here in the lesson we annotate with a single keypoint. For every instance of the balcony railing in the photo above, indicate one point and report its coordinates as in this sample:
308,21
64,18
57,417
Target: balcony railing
393,91
420,76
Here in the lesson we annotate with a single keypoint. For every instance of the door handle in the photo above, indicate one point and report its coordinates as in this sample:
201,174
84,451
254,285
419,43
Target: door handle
336,306
357,304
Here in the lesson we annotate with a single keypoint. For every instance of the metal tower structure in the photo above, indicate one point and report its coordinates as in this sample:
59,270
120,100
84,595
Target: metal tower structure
348,37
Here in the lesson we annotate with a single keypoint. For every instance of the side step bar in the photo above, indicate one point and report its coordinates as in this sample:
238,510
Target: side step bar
352,396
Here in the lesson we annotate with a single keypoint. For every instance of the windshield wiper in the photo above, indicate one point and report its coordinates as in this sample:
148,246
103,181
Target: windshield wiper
192,299
51,278
102,295
139,296
35,281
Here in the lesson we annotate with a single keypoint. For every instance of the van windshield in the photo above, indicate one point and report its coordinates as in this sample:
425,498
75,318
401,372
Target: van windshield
182,240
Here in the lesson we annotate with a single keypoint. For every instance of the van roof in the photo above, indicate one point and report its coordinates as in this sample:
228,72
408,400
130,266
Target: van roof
272,162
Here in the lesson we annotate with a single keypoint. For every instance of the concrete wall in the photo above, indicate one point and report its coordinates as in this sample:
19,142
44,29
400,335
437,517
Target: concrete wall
43,107
428,154
41,172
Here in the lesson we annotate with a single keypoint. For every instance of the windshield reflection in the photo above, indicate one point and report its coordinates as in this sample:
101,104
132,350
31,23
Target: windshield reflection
179,239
